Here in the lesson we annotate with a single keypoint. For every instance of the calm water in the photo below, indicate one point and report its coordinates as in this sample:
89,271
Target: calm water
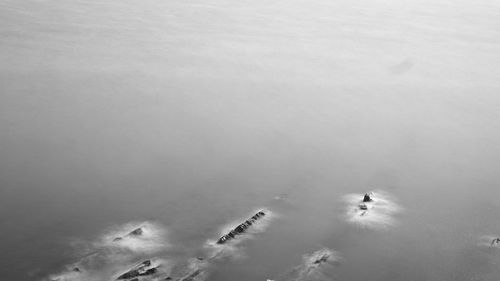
190,114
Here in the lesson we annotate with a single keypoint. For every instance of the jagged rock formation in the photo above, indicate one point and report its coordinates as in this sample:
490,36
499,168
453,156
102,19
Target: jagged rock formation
240,228
144,269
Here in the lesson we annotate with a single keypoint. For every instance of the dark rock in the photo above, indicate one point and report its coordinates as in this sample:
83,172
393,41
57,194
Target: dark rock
240,228
149,272
222,240
363,207
323,258
168,278
76,269
495,241
139,270
137,232
129,274
367,198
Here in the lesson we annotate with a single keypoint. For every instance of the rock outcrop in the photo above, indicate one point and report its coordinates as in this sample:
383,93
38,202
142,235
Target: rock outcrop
240,228
323,258
144,269
136,232
495,241
367,198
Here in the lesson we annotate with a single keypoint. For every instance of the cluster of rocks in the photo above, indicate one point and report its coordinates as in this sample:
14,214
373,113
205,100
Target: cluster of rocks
153,269
366,199
240,228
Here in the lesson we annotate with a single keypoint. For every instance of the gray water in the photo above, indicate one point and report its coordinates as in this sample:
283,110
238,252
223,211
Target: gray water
191,114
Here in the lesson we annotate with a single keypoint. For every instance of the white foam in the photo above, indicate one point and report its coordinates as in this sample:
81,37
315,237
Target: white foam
380,211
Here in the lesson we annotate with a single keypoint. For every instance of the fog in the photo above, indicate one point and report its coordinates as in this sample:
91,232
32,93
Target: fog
190,114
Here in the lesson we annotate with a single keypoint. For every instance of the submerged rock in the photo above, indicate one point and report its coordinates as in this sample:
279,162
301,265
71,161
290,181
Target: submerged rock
363,206
191,275
240,228
314,266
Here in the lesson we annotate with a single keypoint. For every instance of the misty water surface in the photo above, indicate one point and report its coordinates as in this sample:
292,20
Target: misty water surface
190,114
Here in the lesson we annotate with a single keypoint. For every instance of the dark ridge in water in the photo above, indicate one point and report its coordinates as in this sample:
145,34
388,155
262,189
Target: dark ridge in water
240,228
